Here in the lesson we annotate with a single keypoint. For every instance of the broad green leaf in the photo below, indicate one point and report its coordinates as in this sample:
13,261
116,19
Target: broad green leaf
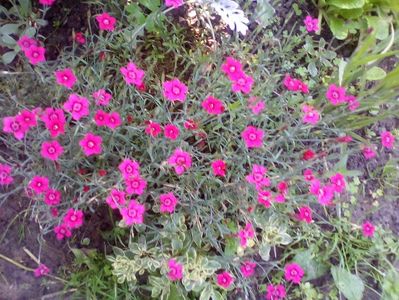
8,57
206,293
351,286
231,246
8,40
347,4
312,268
312,69
264,252
152,5
380,26
264,12
9,29
135,12
338,27
375,73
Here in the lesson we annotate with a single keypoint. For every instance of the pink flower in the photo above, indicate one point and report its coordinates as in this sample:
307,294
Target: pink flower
62,231
387,139
174,3
135,185
368,229
180,160
47,2
258,177
91,144
275,292
116,199
56,127
132,74
293,272
253,137
248,268
52,197
5,174
168,202
175,270
213,106
26,42
282,186
78,106
129,168
190,125
51,150
113,120
338,182
16,126
28,118
245,234
308,175
39,184
311,24
243,83
171,131
232,68
353,104
290,83
73,218
279,198
106,22
175,90
42,269
153,128
311,115
224,280
324,194
80,38
336,94
100,118
65,77
134,213
305,214
35,54
264,198
256,106
54,120
368,152
102,97
219,168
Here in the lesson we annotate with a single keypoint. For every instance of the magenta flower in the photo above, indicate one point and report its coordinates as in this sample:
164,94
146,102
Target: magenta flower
213,106
174,90
171,131
243,83
258,177
248,268
51,150
153,128
28,118
5,174
368,229
305,214
180,160
256,106
65,77
100,118
113,120
91,144
290,83
293,272
47,2
35,54
134,213
102,97
325,194
253,137
116,199
175,270
39,184
387,139
78,106
174,3
353,103
368,152
275,292
308,175
54,119
311,115
232,68
264,198
80,38
16,126
62,231
135,185
190,125
219,168
73,218
168,202
129,168
106,22
312,24
26,42
52,197
336,94
132,74
56,127
42,269
224,280
338,182
245,234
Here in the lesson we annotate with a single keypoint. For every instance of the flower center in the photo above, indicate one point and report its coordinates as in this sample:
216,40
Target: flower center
26,44
135,184
241,81
90,144
132,213
129,169
55,127
15,126
73,218
77,106
232,69
65,78
131,74
51,150
106,22
335,95
180,160
3,175
35,54
252,136
39,184
51,196
176,90
258,177
167,202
